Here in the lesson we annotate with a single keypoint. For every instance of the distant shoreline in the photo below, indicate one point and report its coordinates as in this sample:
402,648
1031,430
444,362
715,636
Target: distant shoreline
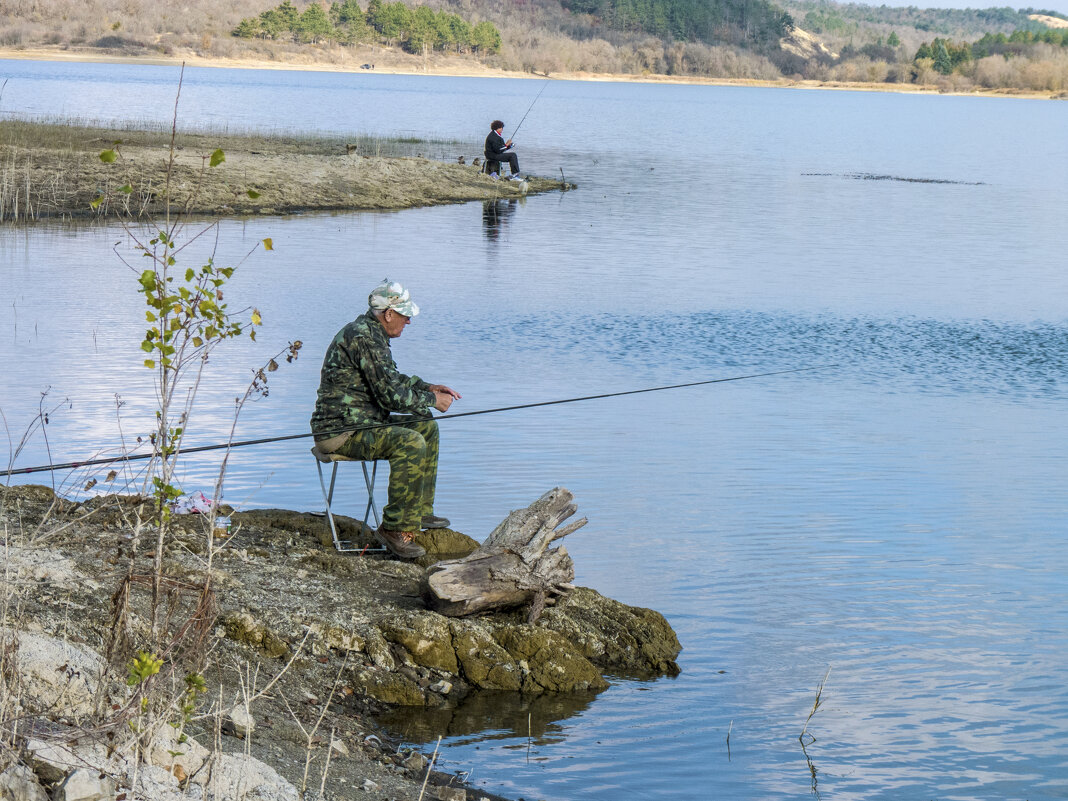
463,68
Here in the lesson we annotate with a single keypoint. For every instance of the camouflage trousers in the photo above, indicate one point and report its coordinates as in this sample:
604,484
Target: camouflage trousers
411,447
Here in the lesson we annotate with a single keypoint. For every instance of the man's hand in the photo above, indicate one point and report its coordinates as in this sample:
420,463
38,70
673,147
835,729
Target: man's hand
508,143
444,396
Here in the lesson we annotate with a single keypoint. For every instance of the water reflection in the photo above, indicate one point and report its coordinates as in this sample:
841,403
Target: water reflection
489,715
495,216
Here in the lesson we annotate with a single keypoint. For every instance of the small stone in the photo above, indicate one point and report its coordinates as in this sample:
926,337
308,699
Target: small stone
19,782
339,747
85,785
369,786
448,793
442,687
241,722
414,761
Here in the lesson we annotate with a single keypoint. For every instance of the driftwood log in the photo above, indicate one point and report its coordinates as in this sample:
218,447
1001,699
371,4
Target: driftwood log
513,567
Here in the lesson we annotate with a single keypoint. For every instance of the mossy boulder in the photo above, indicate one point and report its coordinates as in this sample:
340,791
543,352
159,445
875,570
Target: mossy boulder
616,637
483,661
242,627
444,543
550,662
389,687
426,637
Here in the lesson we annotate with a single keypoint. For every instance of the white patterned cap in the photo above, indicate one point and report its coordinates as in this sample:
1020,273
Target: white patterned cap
391,295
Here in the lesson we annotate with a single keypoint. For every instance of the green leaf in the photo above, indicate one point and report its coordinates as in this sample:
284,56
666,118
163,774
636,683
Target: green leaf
217,158
148,280
252,193
108,156
268,244
197,342
146,346
189,274
151,365
126,189
150,317
96,201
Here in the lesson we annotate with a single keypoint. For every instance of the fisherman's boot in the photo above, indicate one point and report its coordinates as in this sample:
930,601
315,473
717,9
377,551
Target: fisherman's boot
434,521
400,543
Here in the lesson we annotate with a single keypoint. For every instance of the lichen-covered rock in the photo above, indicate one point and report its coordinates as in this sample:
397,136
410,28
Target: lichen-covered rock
84,784
426,637
307,524
378,649
389,687
57,675
19,783
483,661
182,759
553,664
444,542
334,638
237,777
616,637
52,760
243,628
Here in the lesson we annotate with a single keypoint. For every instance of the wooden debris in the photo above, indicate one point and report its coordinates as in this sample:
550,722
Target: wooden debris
513,567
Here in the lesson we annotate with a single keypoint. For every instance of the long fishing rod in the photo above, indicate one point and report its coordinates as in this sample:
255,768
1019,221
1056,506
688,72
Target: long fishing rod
286,437
543,86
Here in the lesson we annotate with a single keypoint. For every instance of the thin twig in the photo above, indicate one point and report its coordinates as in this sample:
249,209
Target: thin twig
429,766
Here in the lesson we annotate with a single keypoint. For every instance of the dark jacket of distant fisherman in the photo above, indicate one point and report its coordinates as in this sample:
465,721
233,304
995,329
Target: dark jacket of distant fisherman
360,382
495,146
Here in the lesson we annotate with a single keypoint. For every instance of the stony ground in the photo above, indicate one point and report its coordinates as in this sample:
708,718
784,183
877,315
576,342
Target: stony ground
347,636
51,171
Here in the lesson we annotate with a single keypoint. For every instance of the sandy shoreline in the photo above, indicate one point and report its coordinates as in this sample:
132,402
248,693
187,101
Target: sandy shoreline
465,68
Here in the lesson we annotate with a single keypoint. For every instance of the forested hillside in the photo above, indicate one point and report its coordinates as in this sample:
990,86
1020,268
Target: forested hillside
752,39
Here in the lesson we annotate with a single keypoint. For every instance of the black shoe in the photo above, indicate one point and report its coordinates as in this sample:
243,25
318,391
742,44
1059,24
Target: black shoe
433,521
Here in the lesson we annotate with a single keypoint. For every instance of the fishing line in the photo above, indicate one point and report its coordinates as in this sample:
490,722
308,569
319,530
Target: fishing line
516,129
386,424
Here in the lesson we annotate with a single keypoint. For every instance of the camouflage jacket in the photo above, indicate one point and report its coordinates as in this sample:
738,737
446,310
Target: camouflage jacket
360,382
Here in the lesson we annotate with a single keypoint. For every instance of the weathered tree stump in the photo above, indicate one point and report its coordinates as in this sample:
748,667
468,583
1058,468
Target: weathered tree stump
512,567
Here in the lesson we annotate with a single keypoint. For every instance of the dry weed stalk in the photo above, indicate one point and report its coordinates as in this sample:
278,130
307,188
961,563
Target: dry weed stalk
815,708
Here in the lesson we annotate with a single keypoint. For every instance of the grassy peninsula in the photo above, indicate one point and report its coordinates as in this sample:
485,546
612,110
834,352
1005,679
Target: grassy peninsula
54,170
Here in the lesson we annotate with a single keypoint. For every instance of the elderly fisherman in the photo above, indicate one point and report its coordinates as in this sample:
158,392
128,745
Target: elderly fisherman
361,386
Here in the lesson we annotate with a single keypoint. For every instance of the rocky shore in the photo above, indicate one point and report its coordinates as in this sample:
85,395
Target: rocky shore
55,172
326,645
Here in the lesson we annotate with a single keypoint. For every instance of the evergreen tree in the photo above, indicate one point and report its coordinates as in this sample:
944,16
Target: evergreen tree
289,15
942,61
314,25
485,38
248,28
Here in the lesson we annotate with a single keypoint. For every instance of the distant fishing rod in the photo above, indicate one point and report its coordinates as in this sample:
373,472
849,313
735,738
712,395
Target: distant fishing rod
386,424
543,86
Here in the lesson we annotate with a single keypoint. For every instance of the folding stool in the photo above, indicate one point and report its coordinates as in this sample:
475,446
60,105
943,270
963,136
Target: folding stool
328,495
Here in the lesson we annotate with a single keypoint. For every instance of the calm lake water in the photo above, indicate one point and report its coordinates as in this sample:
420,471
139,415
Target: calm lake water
899,518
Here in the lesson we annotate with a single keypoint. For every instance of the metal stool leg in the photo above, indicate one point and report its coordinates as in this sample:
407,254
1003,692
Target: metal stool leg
328,497
369,480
